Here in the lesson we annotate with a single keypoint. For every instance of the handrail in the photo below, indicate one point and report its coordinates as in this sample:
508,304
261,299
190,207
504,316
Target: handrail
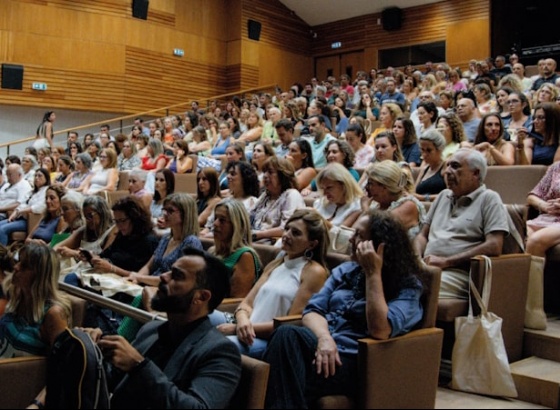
166,109
116,306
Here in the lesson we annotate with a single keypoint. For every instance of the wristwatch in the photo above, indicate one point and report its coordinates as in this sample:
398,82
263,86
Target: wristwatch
254,237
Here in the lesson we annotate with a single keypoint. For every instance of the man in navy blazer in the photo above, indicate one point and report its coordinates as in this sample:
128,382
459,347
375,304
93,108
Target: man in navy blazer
183,362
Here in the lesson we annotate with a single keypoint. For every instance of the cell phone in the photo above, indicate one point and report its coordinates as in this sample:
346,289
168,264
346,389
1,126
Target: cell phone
87,255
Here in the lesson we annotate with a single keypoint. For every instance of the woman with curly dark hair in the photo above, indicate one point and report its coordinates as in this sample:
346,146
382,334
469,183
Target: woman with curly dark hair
451,127
377,294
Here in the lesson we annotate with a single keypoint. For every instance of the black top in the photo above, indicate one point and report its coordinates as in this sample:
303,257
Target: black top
433,185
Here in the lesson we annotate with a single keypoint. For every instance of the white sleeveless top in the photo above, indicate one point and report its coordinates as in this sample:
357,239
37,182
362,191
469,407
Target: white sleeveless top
276,295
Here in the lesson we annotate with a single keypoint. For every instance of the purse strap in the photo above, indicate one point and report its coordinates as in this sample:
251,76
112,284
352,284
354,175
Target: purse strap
487,287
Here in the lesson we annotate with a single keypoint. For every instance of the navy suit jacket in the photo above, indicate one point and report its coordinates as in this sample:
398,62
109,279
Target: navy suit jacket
203,372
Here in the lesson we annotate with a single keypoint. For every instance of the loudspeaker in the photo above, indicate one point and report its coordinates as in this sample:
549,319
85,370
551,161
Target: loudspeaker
140,9
12,76
254,28
391,18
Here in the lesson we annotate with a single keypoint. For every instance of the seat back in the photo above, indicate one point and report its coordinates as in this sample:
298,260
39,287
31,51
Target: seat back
500,178
22,379
431,278
194,158
251,392
186,183
123,181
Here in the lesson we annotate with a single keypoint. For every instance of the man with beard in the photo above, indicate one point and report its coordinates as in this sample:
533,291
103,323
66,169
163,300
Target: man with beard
465,220
183,362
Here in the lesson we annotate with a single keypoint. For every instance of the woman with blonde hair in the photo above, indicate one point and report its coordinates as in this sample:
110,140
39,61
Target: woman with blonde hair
387,115
339,201
36,311
105,179
233,244
389,188
285,286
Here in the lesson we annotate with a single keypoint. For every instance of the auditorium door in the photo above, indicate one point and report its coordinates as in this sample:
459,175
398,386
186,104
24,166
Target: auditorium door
335,65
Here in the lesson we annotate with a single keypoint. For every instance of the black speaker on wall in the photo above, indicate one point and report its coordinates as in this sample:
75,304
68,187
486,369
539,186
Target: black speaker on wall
12,76
254,28
140,9
391,18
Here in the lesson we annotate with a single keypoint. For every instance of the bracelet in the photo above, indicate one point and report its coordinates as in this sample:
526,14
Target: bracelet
427,198
254,237
38,404
112,268
239,309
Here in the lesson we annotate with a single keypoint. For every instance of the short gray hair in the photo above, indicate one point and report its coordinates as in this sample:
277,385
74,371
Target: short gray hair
86,159
435,137
476,161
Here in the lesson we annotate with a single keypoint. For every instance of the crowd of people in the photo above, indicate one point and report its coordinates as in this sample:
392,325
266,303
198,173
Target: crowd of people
289,170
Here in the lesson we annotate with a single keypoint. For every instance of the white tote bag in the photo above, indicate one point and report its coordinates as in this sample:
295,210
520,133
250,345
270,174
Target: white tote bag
479,362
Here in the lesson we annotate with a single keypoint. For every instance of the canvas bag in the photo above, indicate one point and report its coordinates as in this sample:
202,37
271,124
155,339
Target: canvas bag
340,238
479,361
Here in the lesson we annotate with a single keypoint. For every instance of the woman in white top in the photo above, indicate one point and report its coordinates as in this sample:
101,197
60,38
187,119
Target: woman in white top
17,221
105,179
285,286
339,202
29,164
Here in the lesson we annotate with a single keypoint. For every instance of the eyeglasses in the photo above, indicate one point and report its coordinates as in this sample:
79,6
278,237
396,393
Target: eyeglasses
102,156
539,118
120,221
89,215
513,102
169,210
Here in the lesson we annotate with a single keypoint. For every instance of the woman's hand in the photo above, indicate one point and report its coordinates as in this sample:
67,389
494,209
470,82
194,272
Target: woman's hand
245,331
100,264
483,146
326,356
227,329
370,259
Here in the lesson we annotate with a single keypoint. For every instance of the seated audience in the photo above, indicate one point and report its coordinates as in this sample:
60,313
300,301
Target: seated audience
36,311
539,145
430,181
52,222
277,203
466,206
320,357
104,179
491,142
285,286
232,243
389,188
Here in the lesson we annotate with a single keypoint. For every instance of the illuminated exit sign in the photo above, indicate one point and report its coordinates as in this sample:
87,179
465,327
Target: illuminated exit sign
338,44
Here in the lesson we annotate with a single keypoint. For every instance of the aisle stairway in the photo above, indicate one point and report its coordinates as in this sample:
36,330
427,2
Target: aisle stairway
536,376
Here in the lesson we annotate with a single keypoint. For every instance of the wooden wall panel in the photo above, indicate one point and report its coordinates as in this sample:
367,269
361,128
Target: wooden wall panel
422,24
466,40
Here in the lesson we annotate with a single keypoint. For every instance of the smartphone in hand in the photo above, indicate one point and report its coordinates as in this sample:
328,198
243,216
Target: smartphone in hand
87,255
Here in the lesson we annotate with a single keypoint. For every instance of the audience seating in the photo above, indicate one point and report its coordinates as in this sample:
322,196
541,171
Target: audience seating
24,377
32,221
400,372
186,183
514,182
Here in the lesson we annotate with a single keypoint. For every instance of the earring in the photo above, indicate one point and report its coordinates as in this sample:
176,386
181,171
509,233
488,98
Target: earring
308,254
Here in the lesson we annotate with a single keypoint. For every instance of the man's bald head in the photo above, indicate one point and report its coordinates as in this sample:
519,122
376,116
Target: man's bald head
465,109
